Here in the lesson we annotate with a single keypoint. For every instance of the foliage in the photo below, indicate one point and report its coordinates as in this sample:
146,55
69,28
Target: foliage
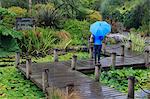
6,17
108,8
74,9
64,39
37,41
146,20
9,15
10,32
48,15
68,7
20,3
55,93
8,40
68,56
118,78
79,31
131,19
14,85
20,12
4,12
94,16
138,42
133,13
88,3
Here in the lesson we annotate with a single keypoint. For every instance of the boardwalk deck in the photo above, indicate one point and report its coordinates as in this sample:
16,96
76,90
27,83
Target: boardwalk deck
60,75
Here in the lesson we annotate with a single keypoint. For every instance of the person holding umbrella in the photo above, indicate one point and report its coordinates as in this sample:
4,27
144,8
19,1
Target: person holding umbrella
99,30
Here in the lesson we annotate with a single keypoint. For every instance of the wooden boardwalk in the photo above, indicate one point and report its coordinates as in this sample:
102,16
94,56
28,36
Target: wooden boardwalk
60,75
130,59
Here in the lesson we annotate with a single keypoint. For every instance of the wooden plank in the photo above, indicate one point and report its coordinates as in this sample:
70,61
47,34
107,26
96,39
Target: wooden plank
62,75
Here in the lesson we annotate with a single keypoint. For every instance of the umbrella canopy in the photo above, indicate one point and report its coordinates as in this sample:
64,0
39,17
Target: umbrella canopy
100,28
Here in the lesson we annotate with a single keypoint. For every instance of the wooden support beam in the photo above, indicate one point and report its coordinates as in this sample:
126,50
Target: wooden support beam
122,50
74,62
55,55
17,59
104,47
91,47
97,72
113,59
147,58
131,81
45,79
130,45
28,67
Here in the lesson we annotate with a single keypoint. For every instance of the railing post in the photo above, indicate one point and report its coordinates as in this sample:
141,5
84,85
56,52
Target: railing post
45,84
74,62
55,55
130,45
91,50
147,58
104,45
97,72
122,50
28,67
91,47
69,89
131,81
17,57
113,59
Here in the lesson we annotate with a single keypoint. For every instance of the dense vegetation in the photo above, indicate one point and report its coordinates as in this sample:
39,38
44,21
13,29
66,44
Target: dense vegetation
78,14
118,78
14,85
64,24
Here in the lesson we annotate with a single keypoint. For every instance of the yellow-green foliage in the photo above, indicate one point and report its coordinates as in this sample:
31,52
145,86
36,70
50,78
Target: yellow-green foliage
138,42
65,39
94,16
56,93
44,6
20,12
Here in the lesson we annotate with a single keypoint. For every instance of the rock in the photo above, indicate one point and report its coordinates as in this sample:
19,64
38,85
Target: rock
118,37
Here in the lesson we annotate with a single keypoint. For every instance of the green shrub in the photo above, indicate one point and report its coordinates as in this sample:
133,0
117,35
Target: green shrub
79,31
38,41
64,39
118,78
7,17
131,12
47,15
138,42
8,40
94,16
20,12
20,3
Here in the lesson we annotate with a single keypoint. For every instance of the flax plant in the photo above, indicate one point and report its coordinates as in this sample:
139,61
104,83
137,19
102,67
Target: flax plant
138,42
38,42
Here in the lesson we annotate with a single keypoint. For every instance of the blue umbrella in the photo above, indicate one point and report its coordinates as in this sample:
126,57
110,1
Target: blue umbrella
100,28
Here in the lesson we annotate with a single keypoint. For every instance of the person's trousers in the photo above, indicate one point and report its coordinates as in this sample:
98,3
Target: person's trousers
97,52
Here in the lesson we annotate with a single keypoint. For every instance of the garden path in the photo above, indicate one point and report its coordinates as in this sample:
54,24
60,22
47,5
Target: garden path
60,74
